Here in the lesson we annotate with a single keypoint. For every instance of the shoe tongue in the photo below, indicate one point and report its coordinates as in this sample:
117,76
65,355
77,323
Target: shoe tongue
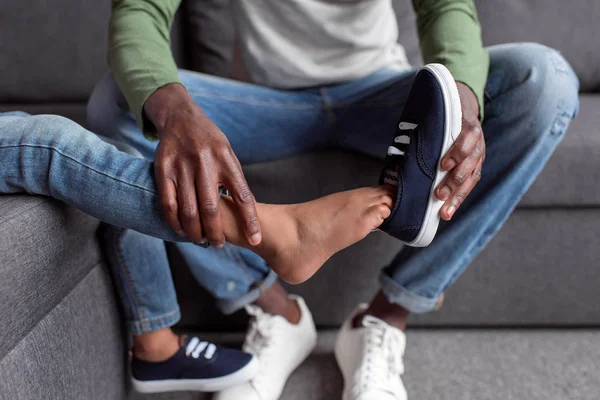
263,321
369,321
261,316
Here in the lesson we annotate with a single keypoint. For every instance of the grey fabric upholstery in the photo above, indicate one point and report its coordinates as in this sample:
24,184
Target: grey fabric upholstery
46,249
75,352
75,111
572,175
52,54
211,35
568,26
49,54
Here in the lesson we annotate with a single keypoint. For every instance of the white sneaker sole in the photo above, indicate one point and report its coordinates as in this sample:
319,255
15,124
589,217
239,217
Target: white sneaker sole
199,385
337,352
452,127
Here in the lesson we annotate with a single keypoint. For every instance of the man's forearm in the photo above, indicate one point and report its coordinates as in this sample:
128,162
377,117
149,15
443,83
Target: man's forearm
139,51
450,33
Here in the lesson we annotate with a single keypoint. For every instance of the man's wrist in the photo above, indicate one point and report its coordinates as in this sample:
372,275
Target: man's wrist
469,102
165,102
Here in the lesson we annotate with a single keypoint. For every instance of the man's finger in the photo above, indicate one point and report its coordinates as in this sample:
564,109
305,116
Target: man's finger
463,147
453,203
461,173
207,189
245,202
188,207
168,199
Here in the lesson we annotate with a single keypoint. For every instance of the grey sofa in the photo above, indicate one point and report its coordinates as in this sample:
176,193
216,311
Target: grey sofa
520,323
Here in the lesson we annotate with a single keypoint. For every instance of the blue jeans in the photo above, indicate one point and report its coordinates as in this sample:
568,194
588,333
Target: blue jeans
530,98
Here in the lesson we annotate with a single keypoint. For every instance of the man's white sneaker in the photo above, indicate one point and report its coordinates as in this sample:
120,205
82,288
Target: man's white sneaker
280,348
370,358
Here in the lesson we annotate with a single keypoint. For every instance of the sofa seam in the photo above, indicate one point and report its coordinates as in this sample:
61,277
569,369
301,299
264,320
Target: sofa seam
98,264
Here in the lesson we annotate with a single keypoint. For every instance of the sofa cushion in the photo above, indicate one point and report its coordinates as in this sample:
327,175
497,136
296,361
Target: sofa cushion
56,52
46,249
568,26
74,111
76,351
572,174
50,52
211,36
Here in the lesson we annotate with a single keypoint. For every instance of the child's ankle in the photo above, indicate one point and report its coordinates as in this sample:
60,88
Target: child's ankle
156,346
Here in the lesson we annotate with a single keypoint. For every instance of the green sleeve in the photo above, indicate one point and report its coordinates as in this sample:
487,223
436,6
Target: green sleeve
140,52
450,34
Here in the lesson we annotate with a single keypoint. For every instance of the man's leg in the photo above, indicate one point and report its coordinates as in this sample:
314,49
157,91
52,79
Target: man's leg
531,96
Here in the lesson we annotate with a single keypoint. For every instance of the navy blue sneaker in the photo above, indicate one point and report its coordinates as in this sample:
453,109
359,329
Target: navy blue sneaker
430,123
197,366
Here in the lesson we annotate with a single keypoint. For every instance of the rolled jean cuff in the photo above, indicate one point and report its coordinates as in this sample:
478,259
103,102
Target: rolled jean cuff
398,294
154,323
229,306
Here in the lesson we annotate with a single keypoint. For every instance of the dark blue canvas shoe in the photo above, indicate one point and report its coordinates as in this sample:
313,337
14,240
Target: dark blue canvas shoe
197,366
430,123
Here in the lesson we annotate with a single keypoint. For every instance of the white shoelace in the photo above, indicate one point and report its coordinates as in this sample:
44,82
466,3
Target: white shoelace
400,147
259,337
382,360
195,347
402,141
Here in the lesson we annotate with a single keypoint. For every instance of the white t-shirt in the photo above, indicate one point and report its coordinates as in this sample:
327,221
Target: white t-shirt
303,43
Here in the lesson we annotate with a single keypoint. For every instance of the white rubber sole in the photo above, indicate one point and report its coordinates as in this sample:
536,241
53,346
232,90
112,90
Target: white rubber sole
199,385
347,391
452,127
339,358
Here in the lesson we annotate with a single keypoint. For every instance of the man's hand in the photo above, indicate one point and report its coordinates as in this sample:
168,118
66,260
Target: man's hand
465,158
192,160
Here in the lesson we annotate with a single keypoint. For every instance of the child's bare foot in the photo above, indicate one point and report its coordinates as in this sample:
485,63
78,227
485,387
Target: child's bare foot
299,238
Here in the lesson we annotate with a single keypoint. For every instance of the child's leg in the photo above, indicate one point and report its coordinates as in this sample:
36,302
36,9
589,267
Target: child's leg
53,156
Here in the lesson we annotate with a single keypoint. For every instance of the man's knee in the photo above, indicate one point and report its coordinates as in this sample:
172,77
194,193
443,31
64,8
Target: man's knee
543,83
107,108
